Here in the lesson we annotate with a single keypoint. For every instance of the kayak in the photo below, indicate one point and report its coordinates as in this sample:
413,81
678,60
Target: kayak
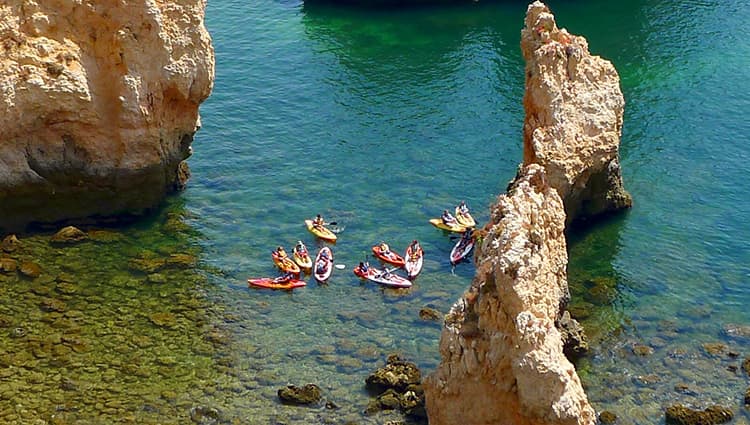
465,218
323,264
281,282
302,257
452,228
285,263
384,253
320,231
463,247
383,277
414,259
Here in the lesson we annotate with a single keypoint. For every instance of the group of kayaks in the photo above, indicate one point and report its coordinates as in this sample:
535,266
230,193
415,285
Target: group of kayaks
322,266
460,222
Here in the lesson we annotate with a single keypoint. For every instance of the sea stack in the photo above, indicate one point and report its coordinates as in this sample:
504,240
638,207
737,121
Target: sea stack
502,353
99,105
574,115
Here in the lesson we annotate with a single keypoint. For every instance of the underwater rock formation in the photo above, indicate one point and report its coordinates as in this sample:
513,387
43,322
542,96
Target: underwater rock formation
99,105
574,115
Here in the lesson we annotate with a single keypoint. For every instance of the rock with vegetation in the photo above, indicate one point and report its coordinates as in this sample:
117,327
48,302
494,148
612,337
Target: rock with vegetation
306,395
681,415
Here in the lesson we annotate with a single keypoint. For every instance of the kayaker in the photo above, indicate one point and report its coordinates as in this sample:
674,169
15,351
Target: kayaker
301,248
448,218
384,248
414,248
318,221
284,278
463,208
280,252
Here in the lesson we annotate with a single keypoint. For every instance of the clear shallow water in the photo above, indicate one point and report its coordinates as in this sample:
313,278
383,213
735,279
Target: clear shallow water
379,120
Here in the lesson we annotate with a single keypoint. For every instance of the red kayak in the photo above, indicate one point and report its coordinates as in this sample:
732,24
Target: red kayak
414,259
282,282
463,247
383,277
283,262
383,252
323,264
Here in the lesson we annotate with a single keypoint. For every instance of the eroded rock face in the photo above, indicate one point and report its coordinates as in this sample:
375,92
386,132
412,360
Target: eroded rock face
574,114
99,104
502,356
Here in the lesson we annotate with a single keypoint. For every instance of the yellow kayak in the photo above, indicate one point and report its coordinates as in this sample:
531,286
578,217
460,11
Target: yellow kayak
320,231
451,228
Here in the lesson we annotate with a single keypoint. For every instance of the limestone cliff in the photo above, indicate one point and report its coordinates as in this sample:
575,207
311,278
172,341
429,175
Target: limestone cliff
502,353
502,356
99,104
574,109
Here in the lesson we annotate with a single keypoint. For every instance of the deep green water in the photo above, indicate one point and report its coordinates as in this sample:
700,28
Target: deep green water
379,120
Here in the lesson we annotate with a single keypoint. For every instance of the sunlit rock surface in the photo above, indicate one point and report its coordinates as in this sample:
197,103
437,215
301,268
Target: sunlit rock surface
99,104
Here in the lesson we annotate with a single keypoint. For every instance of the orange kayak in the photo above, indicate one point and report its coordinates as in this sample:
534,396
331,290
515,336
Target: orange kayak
285,263
384,253
281,282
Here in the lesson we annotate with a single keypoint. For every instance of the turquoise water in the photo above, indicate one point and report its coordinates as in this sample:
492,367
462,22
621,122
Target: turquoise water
379,120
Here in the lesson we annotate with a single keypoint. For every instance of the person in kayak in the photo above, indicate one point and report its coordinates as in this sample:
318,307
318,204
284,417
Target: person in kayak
301,249
284,278
384,248
280,252
448,219
318,221
414,249
462,208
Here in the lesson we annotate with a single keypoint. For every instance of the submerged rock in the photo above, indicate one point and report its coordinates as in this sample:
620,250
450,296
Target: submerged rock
681,415
10,243
427,313
68,235
292,394
30,269
397,374
8,265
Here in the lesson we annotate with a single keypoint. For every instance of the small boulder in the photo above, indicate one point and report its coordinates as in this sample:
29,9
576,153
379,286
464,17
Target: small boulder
607,417
575,343
396,374
68,235
642,350
10,243
8,265
204,415
680,415
292,394
30,269
427,313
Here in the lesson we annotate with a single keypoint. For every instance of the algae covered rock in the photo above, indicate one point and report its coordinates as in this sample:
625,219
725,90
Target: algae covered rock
397,374
680,415
292,394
